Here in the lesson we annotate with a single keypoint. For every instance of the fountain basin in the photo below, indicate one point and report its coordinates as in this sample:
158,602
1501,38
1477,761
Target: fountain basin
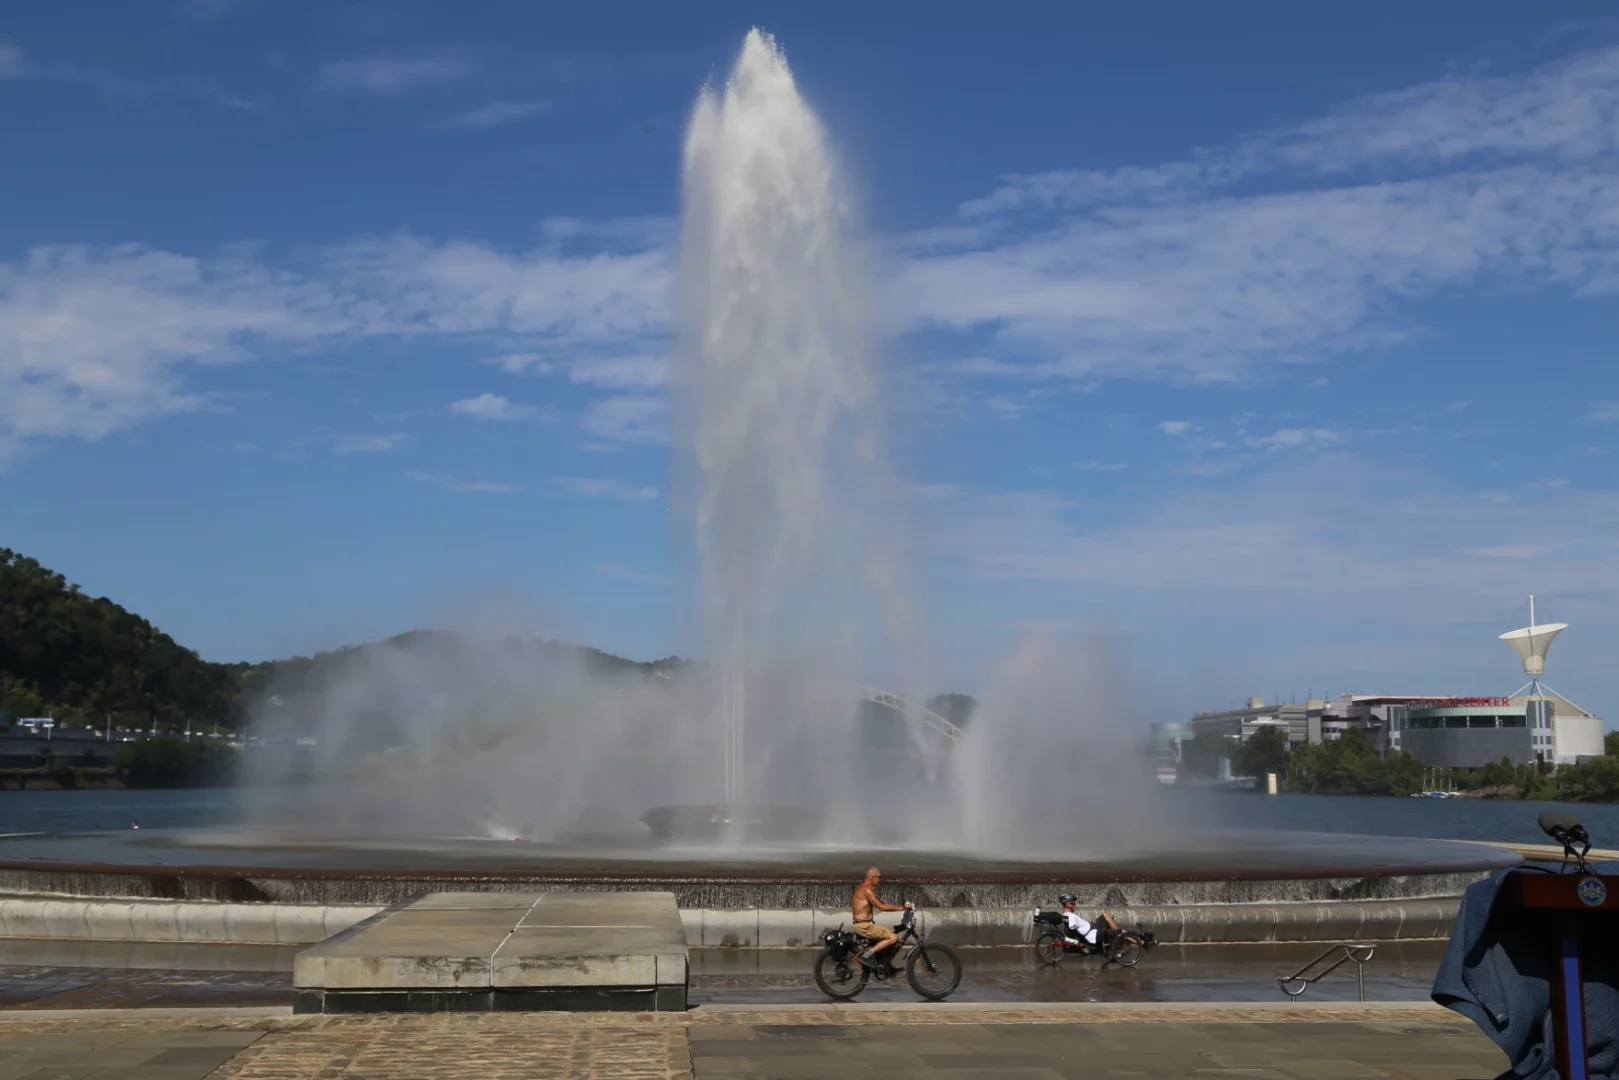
729,824
1230,867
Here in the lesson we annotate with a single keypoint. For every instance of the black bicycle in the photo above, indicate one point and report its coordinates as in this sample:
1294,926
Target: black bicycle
934,971
1122,947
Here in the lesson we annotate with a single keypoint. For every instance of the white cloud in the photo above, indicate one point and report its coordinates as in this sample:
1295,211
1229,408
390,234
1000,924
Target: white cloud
1513,551
494,114
935,492
1292,244
16,64
522,362
197,11
1175,427
1099,466
1281,247
1002,406
617,234
1297,540
96,340
1296,438
495,407
12,65
462,485
390,76
1603,410
93,341
1562,110
414,286
620,372
367,444
604,488
628,418
620,572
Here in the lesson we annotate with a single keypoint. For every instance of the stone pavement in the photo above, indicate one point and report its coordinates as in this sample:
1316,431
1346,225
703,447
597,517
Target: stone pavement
949,1042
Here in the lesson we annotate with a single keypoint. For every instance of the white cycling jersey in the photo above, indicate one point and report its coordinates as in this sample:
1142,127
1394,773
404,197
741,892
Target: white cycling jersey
1079,928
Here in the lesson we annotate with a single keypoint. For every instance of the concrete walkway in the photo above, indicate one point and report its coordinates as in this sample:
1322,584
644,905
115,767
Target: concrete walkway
953,1042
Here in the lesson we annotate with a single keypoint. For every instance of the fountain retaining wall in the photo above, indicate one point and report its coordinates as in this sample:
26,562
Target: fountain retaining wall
299,924
737,892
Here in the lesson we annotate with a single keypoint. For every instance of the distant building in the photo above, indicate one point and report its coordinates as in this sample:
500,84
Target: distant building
1455,732
1242,723
1164,749
1164,741
1540,728
1535,724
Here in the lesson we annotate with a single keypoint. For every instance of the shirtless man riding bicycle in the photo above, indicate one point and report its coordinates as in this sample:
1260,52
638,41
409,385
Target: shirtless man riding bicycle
881,937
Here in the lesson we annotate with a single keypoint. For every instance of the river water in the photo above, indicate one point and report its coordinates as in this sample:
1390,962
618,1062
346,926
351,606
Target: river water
1445,819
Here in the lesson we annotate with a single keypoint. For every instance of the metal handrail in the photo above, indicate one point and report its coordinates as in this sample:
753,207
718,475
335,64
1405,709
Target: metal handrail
1356,951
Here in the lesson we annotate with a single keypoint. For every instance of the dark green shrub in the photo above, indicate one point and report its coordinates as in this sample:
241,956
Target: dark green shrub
173,763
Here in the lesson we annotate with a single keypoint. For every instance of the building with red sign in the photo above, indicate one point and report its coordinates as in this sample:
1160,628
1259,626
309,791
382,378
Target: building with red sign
1439,729
1535,724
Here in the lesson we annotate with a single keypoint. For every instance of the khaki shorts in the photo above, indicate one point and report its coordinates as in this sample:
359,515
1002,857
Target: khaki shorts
873,932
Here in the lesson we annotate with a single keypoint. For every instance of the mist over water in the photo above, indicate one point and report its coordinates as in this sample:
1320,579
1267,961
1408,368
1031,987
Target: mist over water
1053,760
783,490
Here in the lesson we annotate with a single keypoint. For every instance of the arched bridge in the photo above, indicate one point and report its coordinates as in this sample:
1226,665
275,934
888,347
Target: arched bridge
912,708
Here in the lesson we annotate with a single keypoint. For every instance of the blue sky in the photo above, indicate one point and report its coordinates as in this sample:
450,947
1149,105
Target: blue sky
1277,341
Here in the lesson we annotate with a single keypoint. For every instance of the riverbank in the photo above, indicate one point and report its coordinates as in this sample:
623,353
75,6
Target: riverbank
60,778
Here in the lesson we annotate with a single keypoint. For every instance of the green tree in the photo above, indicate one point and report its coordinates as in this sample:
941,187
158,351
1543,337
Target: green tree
79,657
1497,774
1350,765
1265,751
1403,773
1610,744
1201,755
174,763
1593,781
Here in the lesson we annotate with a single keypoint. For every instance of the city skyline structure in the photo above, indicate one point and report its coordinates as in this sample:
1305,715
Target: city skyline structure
322,327
1534,723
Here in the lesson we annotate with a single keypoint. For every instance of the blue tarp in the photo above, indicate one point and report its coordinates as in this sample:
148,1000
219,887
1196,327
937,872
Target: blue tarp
1498,972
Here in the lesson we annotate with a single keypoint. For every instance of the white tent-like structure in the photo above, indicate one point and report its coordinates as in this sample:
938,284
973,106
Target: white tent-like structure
1531,643
1562,729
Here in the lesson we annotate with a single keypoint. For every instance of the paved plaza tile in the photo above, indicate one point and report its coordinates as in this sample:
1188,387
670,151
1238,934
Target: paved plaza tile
762,1043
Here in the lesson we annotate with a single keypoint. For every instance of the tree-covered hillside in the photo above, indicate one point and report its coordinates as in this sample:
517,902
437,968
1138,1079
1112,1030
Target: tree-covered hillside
84,659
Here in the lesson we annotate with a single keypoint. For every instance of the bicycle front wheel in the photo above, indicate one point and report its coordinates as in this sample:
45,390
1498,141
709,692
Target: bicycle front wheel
1126,950
934,971
840,980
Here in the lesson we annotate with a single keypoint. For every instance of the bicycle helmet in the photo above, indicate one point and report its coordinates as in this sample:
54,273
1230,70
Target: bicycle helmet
1067,898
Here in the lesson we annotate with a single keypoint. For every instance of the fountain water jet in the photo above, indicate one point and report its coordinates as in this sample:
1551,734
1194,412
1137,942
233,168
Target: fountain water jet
772,385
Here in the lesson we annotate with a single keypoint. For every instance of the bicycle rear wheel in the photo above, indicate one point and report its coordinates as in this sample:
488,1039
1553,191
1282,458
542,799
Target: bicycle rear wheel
934,971
840,980
1127,950
1049,949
